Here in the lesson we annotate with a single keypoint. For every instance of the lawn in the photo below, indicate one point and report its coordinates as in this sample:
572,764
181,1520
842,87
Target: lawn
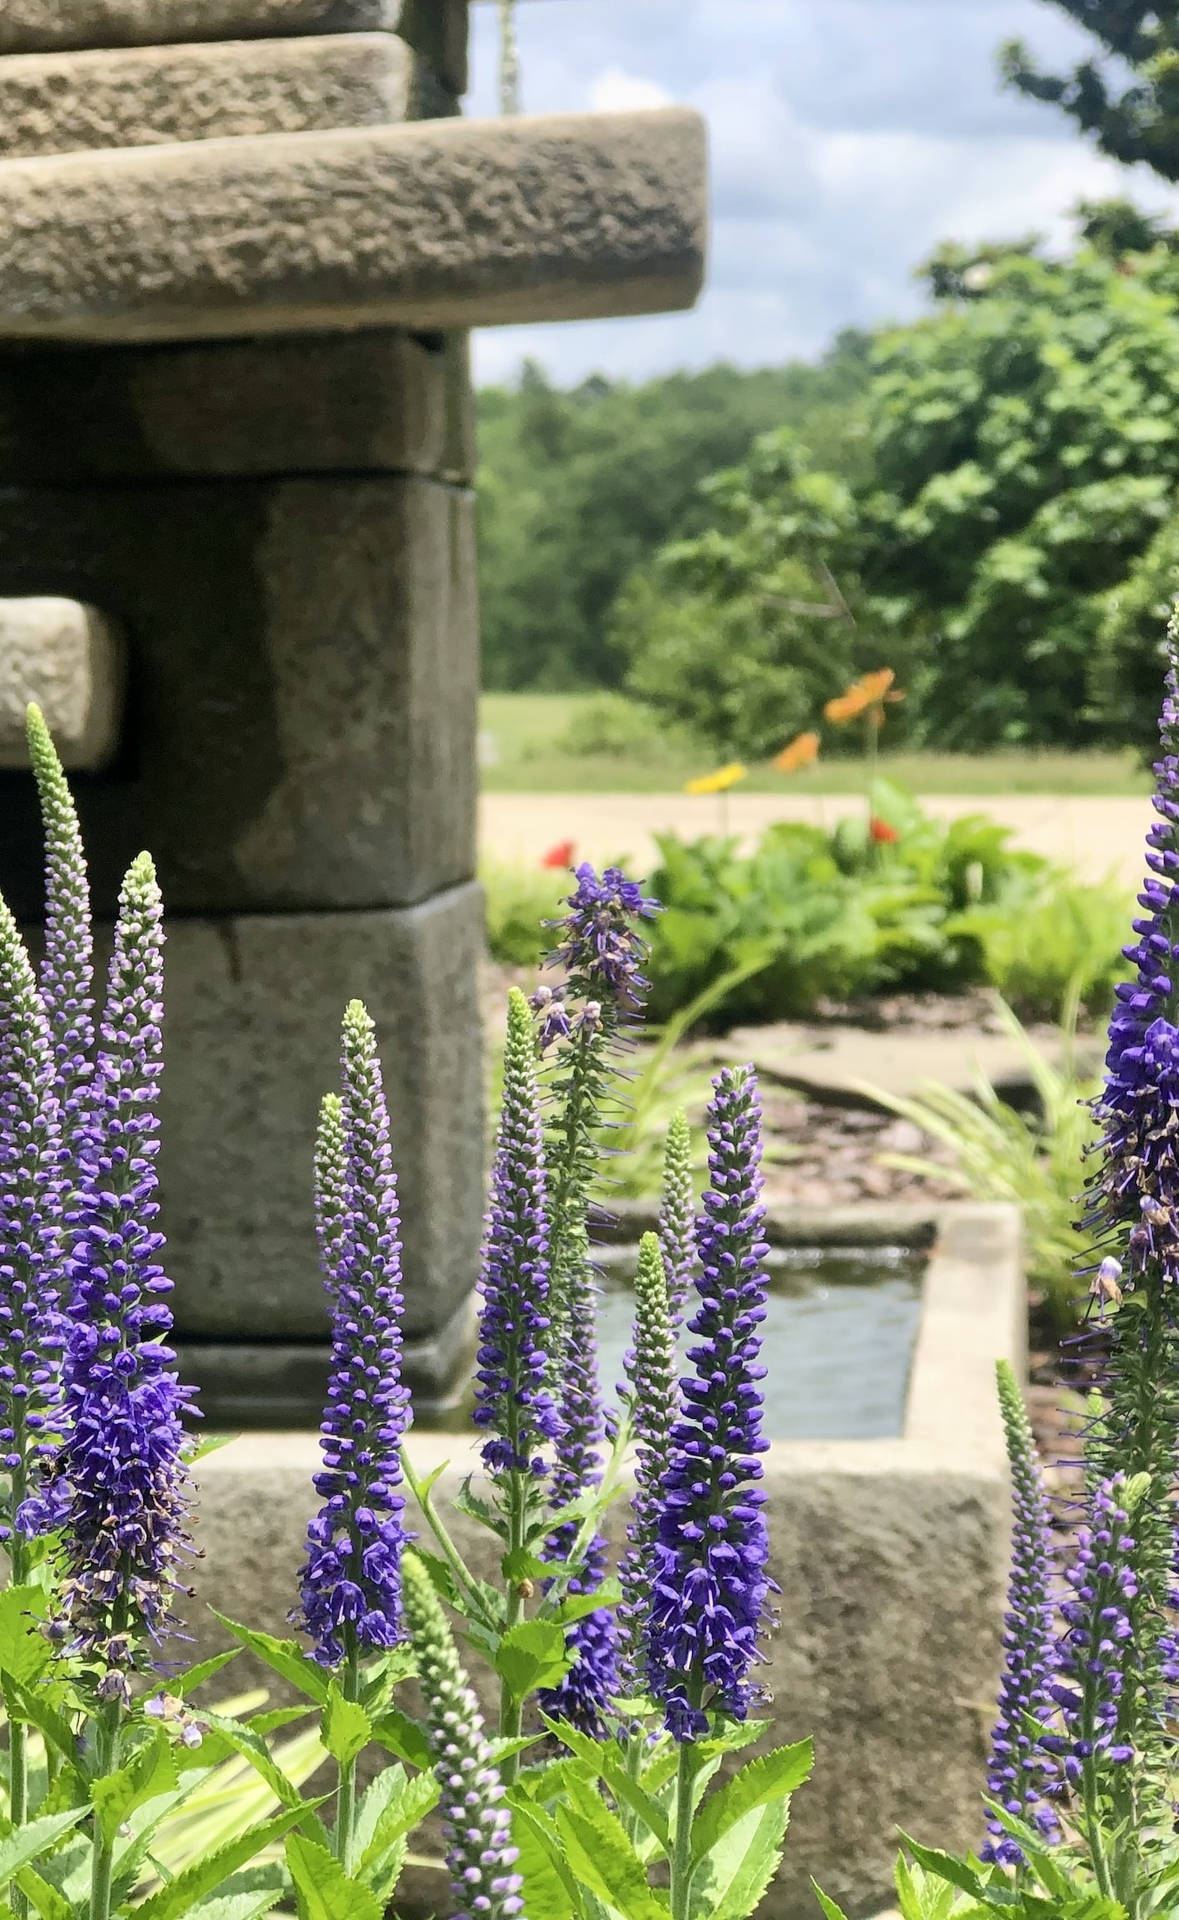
522,751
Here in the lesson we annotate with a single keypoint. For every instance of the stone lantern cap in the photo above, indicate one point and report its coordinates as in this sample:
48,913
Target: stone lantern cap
200,169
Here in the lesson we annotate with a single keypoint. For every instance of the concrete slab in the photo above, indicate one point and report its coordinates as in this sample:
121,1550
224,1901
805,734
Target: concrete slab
36,26
437,224
69,659
147,96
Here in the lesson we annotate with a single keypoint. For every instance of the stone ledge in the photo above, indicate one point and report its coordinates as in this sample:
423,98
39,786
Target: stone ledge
148,96
69,659
442,223
39,26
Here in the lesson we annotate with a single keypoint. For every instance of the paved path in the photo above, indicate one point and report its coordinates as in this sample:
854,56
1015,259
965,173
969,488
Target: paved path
1097,836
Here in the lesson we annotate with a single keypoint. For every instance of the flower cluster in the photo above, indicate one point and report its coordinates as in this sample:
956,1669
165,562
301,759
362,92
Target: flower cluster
67,970
476,1819
711,1582
118,1485
1019,1772
1097,1652
654,1393
351,1585
511,1397
676,1216
599,947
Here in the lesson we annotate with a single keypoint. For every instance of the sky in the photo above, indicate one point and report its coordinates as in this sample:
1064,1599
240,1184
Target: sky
848,137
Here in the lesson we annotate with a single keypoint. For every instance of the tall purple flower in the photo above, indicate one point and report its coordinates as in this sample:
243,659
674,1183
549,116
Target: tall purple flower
511,1398
712,1586
31,1277
67,969
476,1821
119,1487
1097,1654
1019,1771
599,948
351,1586
653,1395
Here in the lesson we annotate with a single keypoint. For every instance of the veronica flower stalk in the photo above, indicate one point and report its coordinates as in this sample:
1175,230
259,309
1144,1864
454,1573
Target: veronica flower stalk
711,1588
676,1210
66,978
513,1403
1019,1771
651,1372
476,1819
350,1597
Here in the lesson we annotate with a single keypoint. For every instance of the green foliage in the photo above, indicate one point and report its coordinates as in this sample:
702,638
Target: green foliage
1138,44
519,900
578,489
1033,1160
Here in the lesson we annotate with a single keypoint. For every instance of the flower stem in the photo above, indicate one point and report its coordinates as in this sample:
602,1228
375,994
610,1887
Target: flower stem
346,1793
511,1708
681,1855
108,1732
18,1732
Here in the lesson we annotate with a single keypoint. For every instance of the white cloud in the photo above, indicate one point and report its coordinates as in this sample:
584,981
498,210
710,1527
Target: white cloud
618,92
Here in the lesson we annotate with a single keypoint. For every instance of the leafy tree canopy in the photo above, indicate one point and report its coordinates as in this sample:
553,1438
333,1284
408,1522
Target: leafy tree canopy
1126,96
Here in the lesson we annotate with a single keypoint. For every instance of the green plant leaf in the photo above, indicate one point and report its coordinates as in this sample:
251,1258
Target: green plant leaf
922,1898
603,1859
152,1771
24,1650
732,1876
532,1654
283,1657
36,1837
946,1867
205,1875
239,1906
380,1841
252,1747
186,1683
575,1606
345,1727
46,1900
550,1891
401,1736
772,1777
322,1889
830,1910
604,1757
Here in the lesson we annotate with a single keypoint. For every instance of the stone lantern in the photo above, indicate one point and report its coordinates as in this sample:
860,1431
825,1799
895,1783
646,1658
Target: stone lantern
240,242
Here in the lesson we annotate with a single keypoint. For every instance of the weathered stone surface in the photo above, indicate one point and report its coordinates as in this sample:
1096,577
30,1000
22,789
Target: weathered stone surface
890,1555
37,26
438,30
302,669
383,402
68,659
443,223
145,96
253,1020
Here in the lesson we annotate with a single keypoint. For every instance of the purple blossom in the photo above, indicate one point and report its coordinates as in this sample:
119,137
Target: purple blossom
351,1587
711,1593
476,1821
598,947
31,1327
653,1396
511,1397
1097,1654
1018,1771
118,1485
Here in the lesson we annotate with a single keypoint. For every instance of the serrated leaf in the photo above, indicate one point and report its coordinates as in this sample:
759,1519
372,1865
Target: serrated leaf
734,1874
383,1853
345,1728
283,1657
920,1901
19,1849
575,1606
830,1910
520,1564
239,1906
150,1772
401,1736
32,1704
323,1890
603,1859
467,1501
186,1683
252,1747
946,1867
46,1899
772,1777
205,1875
532,1654
24,1650
550,1891
604,1757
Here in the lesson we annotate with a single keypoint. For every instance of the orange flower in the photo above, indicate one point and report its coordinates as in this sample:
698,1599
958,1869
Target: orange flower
802,751
880,830
561,855
870,690
718,782
846,706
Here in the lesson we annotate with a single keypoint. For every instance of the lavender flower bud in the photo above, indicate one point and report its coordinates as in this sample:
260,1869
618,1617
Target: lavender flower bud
654,1395
476,1821
711,1584
351,1586
1018,1771
67,970
510,1394
675,1215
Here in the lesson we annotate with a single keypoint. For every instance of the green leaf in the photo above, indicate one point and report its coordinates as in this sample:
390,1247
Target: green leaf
345,1727
152,1771
575,1606
186,1683
830,1910
550,1890
920,1898
519,1564
532,1654
772,1777
37,1837
603,1859
732,1877
47,1900
946,1867
283,1657
605,1758
205,1875
24,1650
33,1704
239,1906
322,1888
210,1443
403,1737
401,1808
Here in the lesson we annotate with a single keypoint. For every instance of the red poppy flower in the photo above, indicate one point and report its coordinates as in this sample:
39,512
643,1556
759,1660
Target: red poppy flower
561,855
880,830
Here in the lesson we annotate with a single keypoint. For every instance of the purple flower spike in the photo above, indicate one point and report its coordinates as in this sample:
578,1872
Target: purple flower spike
510,1393
654,1397
351,1587
67,970
599,948
1097,1654
31,1329
1019,1772
675,1216
710,1602
119,1484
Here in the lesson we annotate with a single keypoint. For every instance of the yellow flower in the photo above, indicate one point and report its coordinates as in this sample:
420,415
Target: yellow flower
720,781
802,751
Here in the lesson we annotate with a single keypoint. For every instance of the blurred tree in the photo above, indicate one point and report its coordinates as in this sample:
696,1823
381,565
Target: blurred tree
1132,115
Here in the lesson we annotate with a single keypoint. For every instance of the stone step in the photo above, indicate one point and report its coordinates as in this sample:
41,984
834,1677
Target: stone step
438,224
36,26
